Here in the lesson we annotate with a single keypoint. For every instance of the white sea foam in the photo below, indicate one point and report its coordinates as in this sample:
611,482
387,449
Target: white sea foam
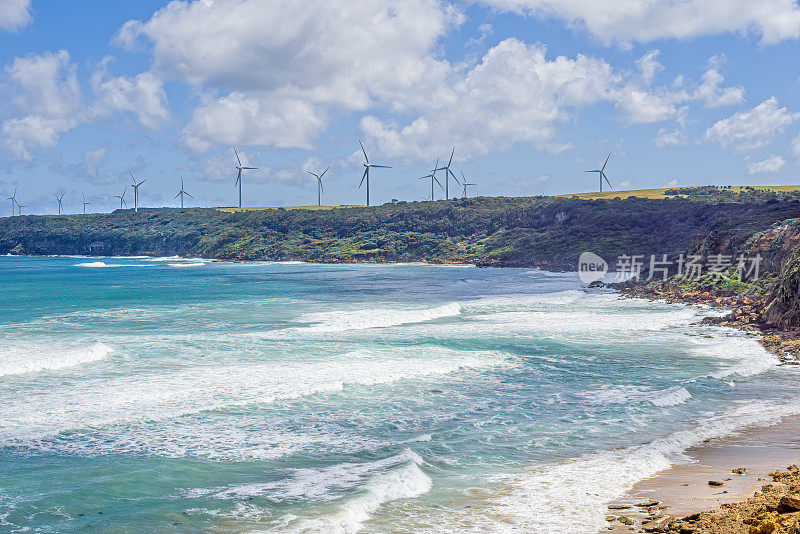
744,355
402,482
671,396
341,321
162,395
187,264
101,264
22,357
571,496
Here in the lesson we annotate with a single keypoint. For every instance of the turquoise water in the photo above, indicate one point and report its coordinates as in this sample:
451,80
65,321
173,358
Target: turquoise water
170,395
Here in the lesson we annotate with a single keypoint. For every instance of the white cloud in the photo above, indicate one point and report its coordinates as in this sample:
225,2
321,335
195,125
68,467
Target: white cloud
142,95
648,20
641,103
14,14
771,164
47,100
672,183
751,129
45,92
670,137
291,61
515,94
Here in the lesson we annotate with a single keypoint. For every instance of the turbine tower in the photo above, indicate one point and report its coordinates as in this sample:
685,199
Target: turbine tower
240,168
13,199
432,176
602,173
136,192
181,193
19,207
122,198
85,204
59,198
465,183
447,174
367,166
319,184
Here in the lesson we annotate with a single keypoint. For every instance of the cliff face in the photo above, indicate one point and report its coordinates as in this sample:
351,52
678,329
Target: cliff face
781,247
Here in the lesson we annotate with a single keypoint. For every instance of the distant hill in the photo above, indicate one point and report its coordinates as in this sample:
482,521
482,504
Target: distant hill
526,231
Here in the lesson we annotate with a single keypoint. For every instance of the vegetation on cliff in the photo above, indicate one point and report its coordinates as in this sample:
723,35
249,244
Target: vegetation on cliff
542,231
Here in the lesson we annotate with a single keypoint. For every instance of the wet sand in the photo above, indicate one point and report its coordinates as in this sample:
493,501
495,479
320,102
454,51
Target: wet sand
683,489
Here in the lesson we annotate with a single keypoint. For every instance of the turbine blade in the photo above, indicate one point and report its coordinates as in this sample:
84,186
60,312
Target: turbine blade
323,172
606,163
451,157
606,177
251,168
176,196
362,177
312,174
381,166
187,194
237,156
454,176
364,151
438,182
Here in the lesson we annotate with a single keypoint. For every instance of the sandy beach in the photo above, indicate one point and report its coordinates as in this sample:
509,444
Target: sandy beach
684,489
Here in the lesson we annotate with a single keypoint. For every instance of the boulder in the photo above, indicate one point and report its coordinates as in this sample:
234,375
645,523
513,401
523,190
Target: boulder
789,504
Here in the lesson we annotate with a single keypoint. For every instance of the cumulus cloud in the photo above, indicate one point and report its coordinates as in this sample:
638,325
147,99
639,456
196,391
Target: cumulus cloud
14,14
639,102
142,95
46,95
751,129
515,94
290,61
770,164
648,20
47,100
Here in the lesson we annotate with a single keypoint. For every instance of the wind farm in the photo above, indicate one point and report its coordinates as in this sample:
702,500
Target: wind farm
604,190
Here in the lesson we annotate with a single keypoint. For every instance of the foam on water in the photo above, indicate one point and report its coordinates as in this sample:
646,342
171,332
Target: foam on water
572,496
161,396
402,482
342,321
671,396
20,357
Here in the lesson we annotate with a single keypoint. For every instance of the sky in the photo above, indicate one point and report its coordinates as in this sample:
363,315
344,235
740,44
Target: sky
531,93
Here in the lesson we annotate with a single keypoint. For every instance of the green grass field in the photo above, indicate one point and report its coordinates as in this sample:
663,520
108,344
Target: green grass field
659,193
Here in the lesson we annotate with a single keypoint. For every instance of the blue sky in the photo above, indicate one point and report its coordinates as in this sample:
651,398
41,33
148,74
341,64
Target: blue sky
530,92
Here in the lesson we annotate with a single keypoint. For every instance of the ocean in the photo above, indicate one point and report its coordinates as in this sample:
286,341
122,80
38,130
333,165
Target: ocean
175,395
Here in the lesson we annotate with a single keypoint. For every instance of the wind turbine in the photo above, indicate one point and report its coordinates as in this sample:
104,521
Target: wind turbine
319,184
465,183
601,172
447,174
59,198
122,198
240,168
367,166
432,176
13,199
181,193
87,204
19,207
136,192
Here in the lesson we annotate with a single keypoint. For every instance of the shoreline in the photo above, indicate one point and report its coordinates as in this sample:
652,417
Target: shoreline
742,463
730,485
